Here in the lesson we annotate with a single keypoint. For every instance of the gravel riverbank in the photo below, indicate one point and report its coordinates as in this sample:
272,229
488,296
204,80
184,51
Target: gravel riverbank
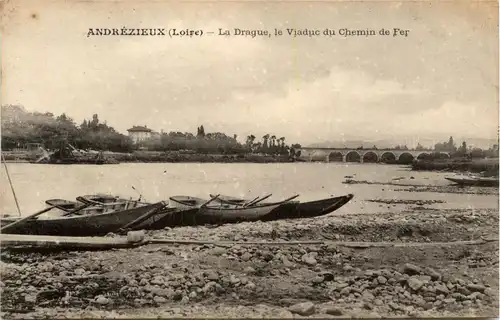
323,280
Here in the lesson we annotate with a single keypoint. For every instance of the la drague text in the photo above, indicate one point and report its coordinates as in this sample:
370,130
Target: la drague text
244,32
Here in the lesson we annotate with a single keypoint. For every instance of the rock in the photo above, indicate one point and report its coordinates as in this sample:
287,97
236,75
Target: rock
441,288
46,267
475,296
464,291
367,295
345,291
30,298
212,276
167,251
79,271
218,251
178,296
303,309
140,302
287,262
411,269
317,280
159,299
135,236
393,306
415,283
250,285
435,276
489,292
476,287
381,280
308,259
333,311
285,314
102,300
347,268
327,276
249,270
219,289
246,256
367,306
233,279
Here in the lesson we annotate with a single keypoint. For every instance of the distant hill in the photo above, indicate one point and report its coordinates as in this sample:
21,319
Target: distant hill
387,144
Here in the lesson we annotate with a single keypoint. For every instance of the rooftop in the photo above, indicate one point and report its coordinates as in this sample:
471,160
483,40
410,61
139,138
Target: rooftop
139,129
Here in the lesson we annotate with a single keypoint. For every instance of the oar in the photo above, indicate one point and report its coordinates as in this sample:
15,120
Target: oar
251,203
140,195
86,205
291,198
142,218
25,218
89,202
11,186
206,203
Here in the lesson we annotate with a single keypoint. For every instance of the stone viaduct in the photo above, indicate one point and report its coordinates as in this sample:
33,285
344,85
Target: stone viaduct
363,155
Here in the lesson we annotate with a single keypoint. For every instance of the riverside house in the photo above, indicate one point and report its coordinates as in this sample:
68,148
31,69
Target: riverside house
139,133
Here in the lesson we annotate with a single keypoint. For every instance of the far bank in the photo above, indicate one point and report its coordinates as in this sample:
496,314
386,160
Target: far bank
170,156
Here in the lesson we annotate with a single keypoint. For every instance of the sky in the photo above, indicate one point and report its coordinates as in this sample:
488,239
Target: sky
440,80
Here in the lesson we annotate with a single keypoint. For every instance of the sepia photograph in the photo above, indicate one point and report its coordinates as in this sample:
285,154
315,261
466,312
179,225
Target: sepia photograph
249,159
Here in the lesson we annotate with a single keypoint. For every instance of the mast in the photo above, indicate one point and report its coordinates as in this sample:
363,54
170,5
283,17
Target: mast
11,186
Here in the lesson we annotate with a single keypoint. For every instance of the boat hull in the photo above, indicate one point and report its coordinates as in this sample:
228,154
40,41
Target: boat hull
221,213
82,225
297,210
170,217
481,182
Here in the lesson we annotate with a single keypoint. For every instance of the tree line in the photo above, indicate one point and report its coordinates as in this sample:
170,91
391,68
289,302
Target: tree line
20,127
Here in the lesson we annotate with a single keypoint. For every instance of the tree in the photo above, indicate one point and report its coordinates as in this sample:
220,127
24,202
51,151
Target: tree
282,145
201,132
265,145
477,153
451,144
419,147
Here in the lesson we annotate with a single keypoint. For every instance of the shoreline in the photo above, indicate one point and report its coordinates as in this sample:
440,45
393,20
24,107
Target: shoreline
429,274
447,165
417,263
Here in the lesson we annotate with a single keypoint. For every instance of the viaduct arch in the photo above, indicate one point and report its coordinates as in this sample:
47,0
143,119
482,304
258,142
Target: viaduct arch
364,155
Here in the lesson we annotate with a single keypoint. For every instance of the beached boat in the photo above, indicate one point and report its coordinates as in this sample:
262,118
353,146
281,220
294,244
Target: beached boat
219,213
475,181
67,205
293,209
93,221
168,217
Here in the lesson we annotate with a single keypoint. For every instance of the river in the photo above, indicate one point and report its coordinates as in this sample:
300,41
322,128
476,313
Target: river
35,183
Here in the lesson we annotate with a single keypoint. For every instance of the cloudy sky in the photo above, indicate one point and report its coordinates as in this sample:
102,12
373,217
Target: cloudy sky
441,80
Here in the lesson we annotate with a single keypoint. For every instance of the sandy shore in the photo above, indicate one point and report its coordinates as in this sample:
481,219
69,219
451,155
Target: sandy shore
324,280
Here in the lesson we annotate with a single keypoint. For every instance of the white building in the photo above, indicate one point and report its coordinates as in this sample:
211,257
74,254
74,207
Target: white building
139,133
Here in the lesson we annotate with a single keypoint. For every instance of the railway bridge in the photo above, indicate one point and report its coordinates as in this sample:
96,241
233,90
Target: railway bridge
364,155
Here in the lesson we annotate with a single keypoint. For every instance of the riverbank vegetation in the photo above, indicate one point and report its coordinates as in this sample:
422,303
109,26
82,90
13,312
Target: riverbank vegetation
20,127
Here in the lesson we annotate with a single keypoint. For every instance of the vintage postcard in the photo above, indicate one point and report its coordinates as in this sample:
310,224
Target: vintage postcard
260,159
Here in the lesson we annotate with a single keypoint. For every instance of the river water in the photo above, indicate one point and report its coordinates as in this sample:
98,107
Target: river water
35,183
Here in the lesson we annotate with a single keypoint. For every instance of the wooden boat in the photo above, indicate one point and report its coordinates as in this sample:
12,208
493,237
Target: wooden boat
219,213
475,181
169,217
66,205
98,221
295,209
